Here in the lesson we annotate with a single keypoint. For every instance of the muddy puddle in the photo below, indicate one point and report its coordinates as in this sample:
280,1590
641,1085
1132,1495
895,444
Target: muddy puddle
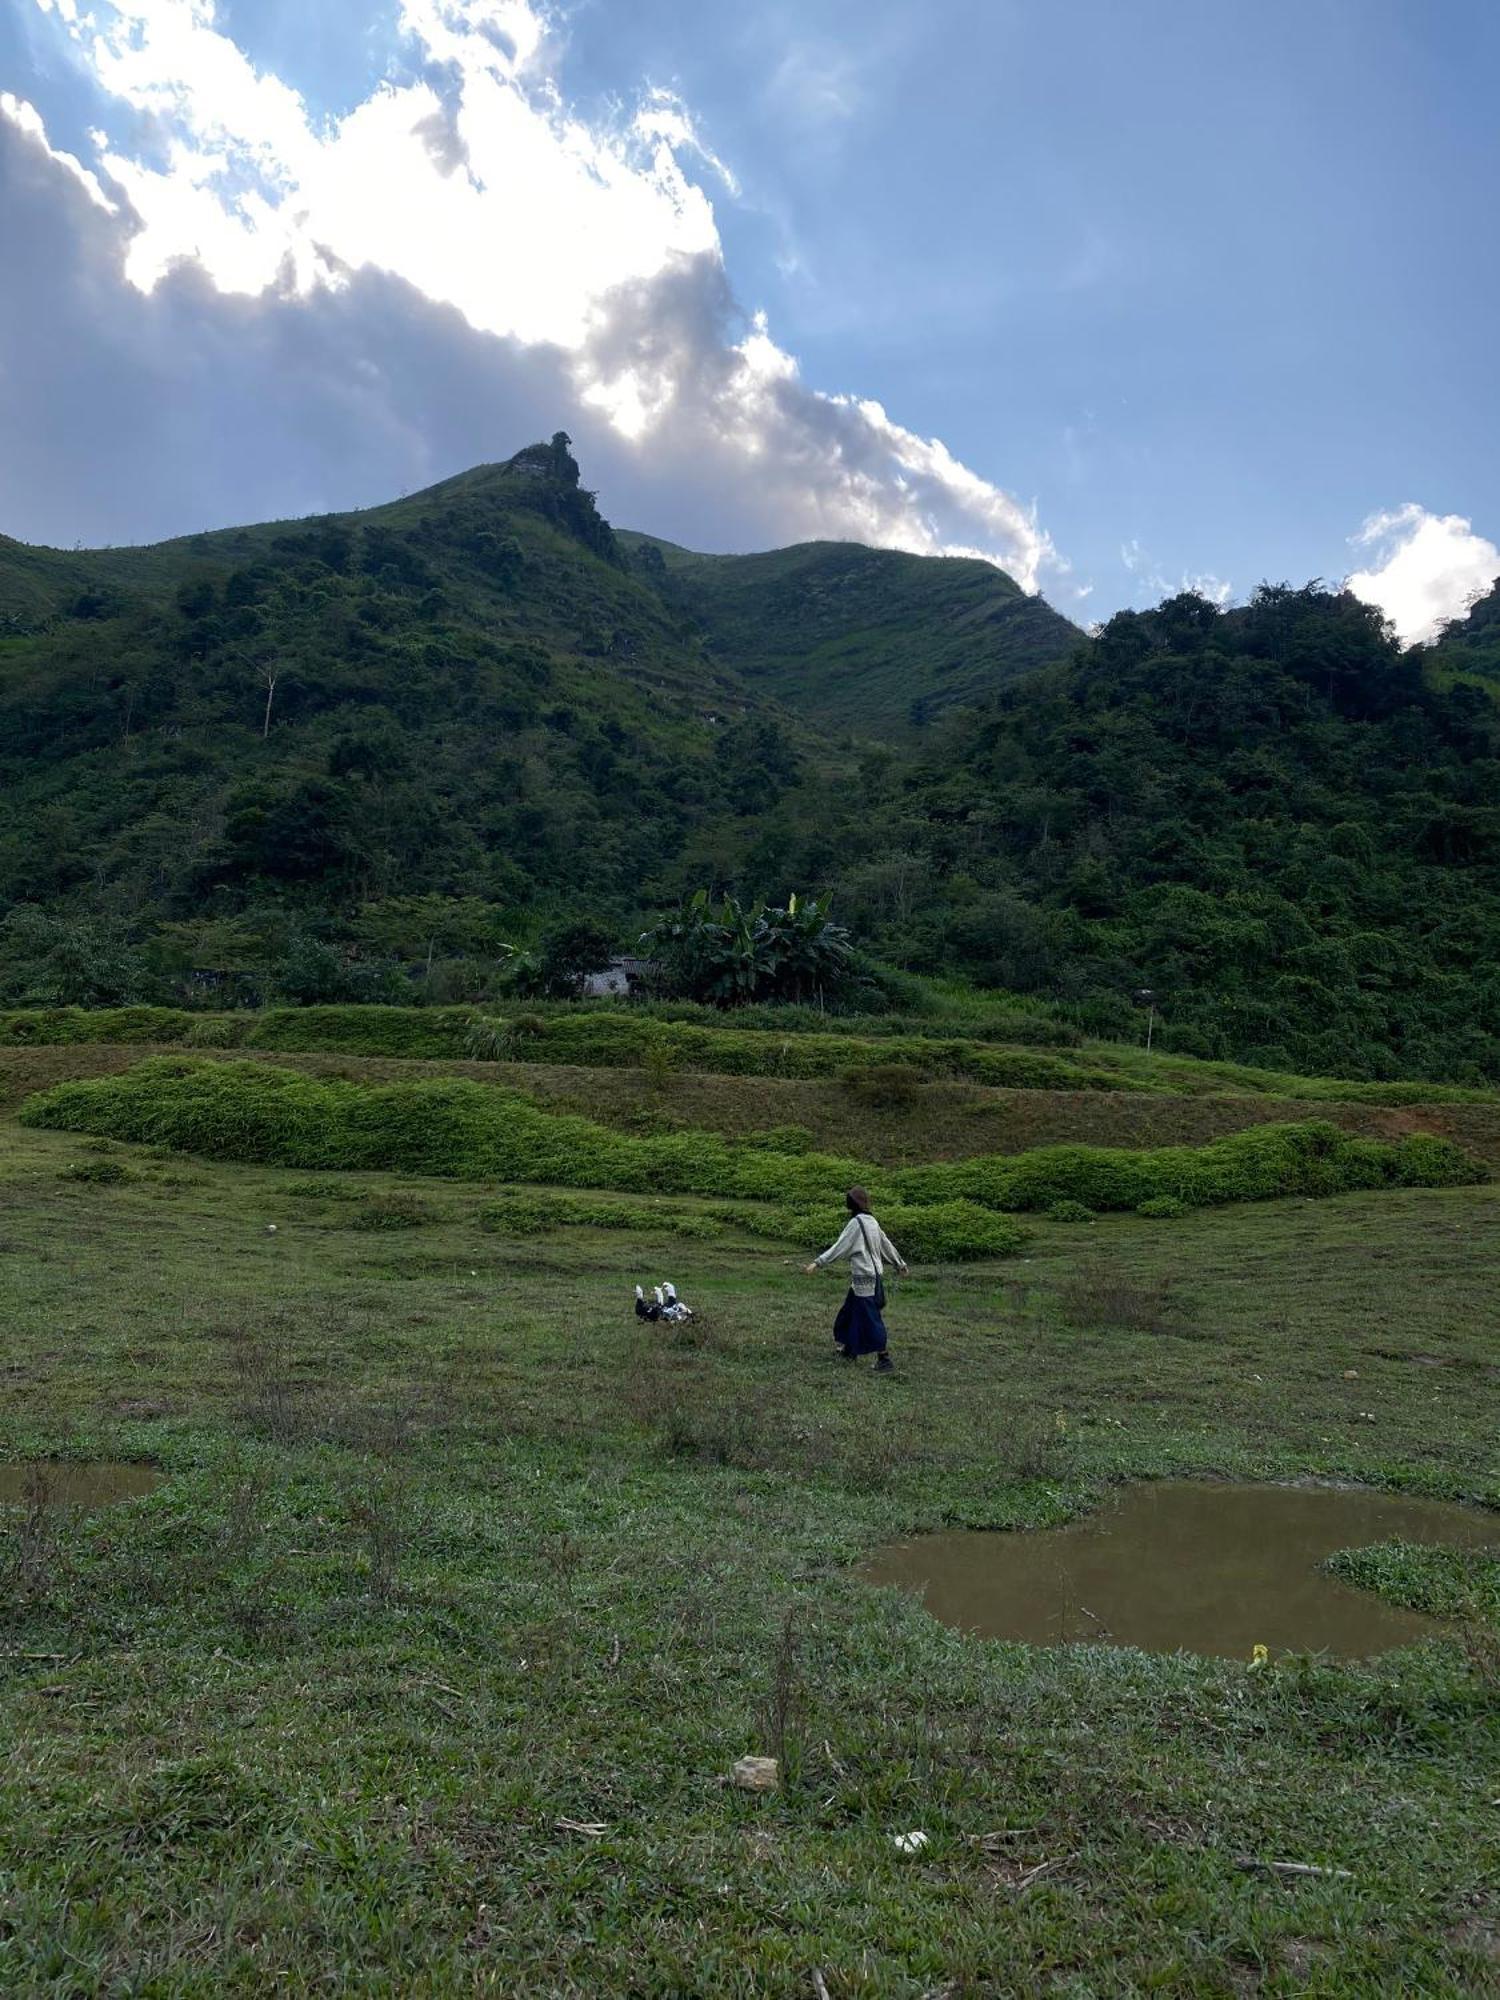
1183,1566
67,1483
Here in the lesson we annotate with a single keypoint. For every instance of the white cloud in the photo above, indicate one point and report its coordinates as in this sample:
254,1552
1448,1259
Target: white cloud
1153,584
1423,568
26,118
472,181
817,84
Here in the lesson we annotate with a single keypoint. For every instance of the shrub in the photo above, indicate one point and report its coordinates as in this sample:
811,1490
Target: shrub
954,1231
1255,1165
487,1040
1069,1211
472,1131
217,1031
1163,1207
99,1172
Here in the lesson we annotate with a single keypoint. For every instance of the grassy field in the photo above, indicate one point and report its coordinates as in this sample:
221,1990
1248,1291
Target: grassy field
421,1672
900,1125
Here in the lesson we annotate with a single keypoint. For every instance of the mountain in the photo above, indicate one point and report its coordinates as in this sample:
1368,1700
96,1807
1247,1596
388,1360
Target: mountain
312,747
871,640
1469,647
465,692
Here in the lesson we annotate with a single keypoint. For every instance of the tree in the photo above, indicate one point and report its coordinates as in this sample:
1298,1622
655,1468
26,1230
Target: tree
54,959
418,927
728,955
566,955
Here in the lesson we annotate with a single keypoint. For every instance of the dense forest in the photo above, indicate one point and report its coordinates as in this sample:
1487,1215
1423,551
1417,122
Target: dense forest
357,755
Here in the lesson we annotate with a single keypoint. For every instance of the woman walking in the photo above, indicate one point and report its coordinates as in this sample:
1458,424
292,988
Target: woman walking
859,1328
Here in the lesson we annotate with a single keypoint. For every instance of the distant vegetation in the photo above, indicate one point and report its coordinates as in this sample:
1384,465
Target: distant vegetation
872,641
445,750
260,1113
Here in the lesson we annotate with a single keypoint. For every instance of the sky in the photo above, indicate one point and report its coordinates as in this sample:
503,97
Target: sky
1126,298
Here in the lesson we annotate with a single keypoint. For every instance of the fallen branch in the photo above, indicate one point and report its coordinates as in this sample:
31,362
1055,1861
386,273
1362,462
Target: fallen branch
1293,1870
592,1827
820,1986
1042,1868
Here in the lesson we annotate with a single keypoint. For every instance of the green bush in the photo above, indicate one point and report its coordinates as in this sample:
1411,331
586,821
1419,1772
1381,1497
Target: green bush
218,1031
1163,1207
951,1231
1069,1211
487,1040
65,1025
352,1030
1255,1165
471,1131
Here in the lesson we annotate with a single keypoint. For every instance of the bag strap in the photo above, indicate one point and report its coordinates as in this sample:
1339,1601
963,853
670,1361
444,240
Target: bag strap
873,1255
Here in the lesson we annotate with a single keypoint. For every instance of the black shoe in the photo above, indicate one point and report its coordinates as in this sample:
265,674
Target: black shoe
885,1365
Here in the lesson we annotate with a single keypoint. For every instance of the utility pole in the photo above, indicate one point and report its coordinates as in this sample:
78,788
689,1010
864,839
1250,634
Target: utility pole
1144,997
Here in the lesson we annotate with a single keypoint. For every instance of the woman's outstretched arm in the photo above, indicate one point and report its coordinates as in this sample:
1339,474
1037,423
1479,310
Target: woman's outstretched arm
891,1254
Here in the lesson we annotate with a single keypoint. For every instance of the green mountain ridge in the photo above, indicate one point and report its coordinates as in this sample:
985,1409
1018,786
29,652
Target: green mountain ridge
1273,817
858,638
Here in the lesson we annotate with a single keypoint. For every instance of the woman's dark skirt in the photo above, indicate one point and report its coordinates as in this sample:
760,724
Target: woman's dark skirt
859,1329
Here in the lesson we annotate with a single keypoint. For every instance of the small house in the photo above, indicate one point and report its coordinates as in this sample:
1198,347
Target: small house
621,979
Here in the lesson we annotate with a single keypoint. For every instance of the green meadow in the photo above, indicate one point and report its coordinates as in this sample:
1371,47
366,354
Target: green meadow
423,1669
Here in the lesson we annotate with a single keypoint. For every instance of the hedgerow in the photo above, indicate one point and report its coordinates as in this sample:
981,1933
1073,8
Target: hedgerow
1259,1164
943,1232
587,1037
789,1042
457,1129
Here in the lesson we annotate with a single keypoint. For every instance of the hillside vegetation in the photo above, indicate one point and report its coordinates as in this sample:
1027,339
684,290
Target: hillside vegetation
870,640
352,758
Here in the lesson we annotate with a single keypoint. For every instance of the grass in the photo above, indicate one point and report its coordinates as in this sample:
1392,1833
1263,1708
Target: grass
1003,1047
421,1671
457,1129
941,1120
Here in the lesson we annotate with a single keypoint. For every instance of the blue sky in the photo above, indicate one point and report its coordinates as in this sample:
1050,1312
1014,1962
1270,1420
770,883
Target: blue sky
1123,296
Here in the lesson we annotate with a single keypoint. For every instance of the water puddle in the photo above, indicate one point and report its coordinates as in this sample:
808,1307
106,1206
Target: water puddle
1183,1566
69,1483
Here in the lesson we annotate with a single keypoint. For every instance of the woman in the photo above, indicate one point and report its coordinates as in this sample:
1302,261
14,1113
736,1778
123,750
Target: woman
859,1328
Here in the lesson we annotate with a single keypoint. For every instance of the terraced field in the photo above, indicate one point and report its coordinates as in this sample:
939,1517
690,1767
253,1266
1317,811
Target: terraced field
423,1669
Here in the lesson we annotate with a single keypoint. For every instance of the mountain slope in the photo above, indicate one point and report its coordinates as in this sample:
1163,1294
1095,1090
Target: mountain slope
465,692
1469,647
870,640
1272,817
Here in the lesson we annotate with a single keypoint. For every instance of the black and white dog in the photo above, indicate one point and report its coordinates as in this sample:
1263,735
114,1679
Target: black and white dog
662,1304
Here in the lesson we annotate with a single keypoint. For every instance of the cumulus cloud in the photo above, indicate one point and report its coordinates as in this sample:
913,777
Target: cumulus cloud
1423,568
468,209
